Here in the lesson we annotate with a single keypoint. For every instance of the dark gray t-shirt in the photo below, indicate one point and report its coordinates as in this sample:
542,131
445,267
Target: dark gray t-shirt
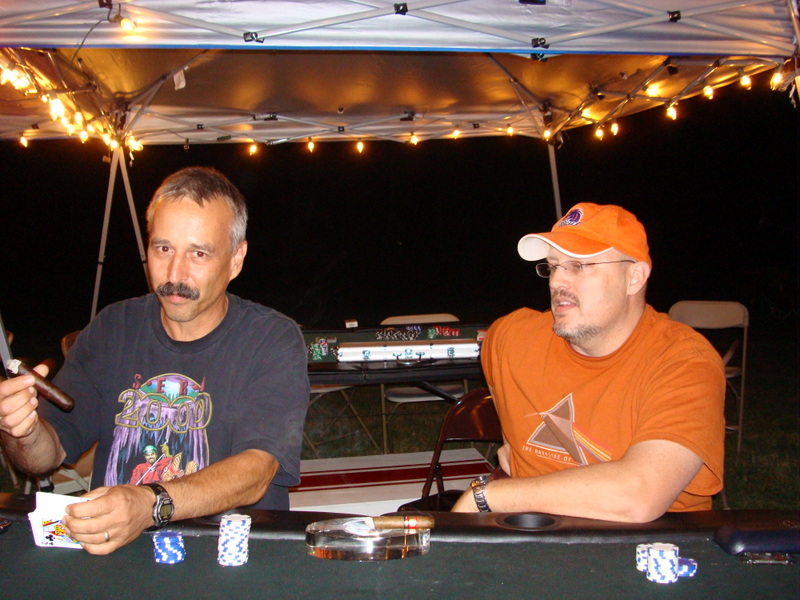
160,409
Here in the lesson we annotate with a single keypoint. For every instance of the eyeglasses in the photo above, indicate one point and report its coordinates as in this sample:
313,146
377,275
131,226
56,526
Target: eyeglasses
571,267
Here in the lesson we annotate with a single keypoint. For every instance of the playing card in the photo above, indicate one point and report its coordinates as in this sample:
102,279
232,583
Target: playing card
46,524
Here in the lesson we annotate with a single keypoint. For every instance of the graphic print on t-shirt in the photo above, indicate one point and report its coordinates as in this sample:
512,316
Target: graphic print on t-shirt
557,437
160,433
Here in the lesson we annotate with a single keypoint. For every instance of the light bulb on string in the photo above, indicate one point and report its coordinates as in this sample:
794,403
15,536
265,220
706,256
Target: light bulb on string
253,148
599,133
23,140
746,82
414,139
360,146
708,92
310,145
127,25
510,130
672,111
776,79
547,134
57,109
456,133
83,135
614,128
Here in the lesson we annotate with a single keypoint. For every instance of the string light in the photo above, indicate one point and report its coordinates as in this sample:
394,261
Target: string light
744,80
651,91
708,92
83,135
310,145
776,79
360,146
456,133
126,24
253,148
23,140
672,111
547,134
510,130
599,133
414,139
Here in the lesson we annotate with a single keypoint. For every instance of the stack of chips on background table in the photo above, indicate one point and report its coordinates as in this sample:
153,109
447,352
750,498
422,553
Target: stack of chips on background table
232,548
662,562
168,547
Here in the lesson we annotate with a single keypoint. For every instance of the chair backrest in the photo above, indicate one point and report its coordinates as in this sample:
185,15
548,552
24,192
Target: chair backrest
473,418
710,314
67,341
420,319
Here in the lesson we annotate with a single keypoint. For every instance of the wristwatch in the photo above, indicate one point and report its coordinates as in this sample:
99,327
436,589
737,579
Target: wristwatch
163,509
478,492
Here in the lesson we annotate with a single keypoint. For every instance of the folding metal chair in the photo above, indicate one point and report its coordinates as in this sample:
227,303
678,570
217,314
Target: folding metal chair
400,396
715,315
472,419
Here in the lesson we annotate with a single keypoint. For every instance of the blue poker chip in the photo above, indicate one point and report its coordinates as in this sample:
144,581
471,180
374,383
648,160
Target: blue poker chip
168,548
687,567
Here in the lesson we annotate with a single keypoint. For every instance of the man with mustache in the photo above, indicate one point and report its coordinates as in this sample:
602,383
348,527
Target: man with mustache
609,409
220,381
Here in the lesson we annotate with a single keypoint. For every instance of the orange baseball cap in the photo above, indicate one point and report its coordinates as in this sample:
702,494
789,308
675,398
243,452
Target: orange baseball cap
588,230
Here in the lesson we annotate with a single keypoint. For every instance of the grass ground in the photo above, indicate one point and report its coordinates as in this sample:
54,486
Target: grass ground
766,474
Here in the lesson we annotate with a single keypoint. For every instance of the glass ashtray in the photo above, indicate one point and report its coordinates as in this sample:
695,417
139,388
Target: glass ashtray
354,538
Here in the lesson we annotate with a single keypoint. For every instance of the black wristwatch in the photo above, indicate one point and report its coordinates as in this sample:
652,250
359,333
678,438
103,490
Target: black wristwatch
478,492
163,509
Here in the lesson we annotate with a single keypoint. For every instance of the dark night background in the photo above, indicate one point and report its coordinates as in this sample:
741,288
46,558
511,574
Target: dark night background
400,229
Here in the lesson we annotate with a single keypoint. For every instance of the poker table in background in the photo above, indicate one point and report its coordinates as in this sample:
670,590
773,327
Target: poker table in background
487,555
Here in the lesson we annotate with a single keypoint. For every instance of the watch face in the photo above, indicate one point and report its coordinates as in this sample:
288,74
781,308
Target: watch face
165,511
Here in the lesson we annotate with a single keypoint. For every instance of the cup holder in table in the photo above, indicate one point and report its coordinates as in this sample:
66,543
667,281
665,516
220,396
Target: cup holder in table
528,521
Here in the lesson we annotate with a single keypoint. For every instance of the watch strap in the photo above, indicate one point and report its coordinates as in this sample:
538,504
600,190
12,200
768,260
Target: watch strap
479,492
162,498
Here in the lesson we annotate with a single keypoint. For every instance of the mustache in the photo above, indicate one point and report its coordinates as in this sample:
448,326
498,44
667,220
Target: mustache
561,295
177,289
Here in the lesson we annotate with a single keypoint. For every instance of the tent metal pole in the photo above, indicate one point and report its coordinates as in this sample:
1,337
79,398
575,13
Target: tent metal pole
124,170
551,151
112,177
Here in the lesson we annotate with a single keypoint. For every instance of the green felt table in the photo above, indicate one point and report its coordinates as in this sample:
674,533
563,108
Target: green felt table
469,557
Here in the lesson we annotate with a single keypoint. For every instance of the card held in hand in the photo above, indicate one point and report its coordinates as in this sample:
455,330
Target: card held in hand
46,524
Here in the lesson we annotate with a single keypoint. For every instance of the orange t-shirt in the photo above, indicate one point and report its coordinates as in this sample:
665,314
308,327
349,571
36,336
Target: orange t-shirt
560,409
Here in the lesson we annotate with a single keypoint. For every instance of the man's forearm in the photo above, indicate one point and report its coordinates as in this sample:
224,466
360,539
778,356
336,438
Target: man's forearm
39,453
239,480
637,488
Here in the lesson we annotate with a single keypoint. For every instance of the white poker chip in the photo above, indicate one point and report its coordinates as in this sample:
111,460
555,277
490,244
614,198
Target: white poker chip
232,547
662,563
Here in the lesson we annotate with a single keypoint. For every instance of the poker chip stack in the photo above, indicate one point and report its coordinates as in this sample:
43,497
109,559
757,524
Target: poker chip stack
232,549
168,547
662,563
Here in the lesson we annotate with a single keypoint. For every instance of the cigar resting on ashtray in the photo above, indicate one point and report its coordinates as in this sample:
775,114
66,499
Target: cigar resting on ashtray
46,389
402,522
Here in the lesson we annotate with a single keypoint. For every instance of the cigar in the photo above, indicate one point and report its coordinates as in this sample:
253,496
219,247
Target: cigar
403,522
46,389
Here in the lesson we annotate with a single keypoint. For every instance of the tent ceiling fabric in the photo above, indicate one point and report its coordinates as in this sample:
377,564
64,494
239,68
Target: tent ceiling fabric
337,70
754,27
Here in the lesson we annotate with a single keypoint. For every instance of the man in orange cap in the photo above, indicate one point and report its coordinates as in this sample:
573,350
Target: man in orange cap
609,409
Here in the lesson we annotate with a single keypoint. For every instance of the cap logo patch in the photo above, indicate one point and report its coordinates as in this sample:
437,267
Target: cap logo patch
573,217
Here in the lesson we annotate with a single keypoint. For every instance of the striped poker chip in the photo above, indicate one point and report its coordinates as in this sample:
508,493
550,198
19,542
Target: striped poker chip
687,567
232,547
168,548
662,563
641,557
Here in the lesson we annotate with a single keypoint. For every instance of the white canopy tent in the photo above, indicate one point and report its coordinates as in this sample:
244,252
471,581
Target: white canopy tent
234,71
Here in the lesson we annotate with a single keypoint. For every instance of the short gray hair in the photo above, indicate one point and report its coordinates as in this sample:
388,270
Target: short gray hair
201,185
